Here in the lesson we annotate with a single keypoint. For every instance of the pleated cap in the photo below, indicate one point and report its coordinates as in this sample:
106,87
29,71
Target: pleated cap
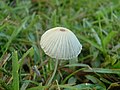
60,43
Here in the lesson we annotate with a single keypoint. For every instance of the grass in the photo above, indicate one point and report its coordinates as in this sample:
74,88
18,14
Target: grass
15,68
95,23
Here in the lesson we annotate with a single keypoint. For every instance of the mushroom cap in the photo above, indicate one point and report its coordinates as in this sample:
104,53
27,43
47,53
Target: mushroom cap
60,43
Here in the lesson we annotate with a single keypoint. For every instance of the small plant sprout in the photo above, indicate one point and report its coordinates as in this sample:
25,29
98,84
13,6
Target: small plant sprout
61,44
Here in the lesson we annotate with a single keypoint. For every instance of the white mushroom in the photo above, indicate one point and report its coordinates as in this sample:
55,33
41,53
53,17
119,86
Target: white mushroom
60,43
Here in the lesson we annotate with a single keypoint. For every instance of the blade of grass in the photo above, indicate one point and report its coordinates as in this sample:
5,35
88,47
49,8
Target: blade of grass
101,36
54,72
24,55
15,68
95,80
85,86
78,64
107,39
71,75
95,35
102,70
90,42
38,88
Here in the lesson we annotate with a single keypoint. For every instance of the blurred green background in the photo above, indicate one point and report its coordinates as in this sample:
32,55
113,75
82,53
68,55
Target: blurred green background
24,65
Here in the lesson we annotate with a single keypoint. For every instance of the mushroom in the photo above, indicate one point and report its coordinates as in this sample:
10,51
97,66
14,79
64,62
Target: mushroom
60,43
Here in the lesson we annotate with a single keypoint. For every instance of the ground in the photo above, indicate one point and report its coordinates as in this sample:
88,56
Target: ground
25,66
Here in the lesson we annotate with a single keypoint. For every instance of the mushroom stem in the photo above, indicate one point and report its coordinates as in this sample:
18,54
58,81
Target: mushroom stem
54,72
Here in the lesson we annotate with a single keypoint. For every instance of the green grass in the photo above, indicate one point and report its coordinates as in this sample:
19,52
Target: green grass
15,68
96,23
